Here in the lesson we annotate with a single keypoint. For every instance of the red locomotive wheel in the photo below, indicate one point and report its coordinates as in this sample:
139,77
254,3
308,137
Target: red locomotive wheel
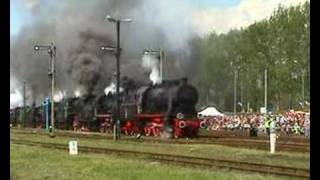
135,131
156,132
147,131
175,135
126,132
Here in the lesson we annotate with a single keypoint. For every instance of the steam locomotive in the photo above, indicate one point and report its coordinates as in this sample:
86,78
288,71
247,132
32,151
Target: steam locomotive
166,109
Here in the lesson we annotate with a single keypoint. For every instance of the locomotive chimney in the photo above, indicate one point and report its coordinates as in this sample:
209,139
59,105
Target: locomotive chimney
183,81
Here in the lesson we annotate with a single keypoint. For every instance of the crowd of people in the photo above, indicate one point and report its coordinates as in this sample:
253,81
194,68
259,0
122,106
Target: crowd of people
288,123
292,122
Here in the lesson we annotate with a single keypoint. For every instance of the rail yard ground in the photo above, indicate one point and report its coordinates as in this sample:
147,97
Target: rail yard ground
40,163
31,163
300,160
288,143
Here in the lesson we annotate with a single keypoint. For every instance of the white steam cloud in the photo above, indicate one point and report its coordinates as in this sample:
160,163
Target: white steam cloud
59,96
151,63
16,92
77,93
112,88
15,99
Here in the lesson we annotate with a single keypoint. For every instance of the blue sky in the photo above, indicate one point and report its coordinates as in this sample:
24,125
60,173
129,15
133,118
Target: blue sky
19,14
214,3
15,19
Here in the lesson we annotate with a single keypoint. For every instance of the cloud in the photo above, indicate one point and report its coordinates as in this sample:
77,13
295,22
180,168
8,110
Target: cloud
31,4
221,20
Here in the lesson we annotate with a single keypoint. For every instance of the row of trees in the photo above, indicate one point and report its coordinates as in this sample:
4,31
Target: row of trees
279,44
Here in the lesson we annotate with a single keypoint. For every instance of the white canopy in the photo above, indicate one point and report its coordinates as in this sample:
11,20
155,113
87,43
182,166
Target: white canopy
209,111
15,100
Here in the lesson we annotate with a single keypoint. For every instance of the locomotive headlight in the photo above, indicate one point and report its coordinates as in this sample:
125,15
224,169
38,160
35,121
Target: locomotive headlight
145,52
36,48
200,116
180,116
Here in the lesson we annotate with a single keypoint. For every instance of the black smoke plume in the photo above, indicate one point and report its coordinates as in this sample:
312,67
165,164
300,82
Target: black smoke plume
79,27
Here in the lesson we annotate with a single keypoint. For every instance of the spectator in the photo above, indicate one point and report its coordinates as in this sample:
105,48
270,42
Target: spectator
84,128
307,128
267,125
103,125
296,128
76,124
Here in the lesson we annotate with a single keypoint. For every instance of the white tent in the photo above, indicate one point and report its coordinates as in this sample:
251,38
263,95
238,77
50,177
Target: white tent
15,100
209,111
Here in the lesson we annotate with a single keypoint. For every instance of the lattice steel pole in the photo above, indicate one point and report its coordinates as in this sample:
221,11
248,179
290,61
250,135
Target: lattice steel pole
24,104
52,54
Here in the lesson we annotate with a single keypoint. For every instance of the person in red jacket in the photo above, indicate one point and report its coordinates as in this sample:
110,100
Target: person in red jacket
75,123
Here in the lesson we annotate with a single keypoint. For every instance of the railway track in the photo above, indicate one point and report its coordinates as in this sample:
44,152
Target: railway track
183,160
286,138
233,142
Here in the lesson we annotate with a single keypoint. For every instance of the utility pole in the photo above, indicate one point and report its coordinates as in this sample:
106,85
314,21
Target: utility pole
265,88
302,85
46,107
24,104
118,80
235,92
241,95
161,64
52,52
115,120
34,113
118,50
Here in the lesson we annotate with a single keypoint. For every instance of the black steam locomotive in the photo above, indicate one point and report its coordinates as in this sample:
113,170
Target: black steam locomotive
153,110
